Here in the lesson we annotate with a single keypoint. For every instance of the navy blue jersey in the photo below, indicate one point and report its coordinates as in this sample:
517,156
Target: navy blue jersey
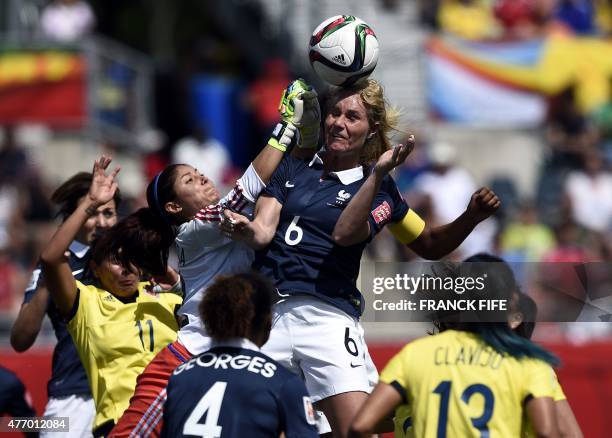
236,392
67,375
302,257
13,399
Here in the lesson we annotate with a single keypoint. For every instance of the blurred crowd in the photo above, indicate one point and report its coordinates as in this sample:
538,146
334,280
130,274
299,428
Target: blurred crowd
569,216
516,19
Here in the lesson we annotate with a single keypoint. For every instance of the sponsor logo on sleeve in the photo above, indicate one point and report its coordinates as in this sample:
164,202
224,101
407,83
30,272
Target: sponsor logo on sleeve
382,213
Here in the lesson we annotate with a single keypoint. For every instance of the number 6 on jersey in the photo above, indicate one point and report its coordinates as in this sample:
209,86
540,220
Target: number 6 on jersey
294,234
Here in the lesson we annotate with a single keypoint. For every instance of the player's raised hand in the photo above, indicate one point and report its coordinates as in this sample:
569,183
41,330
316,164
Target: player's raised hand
235,226
299,105
103,186
484,203
394,157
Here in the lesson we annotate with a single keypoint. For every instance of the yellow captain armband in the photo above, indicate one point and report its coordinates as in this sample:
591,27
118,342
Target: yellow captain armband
408,229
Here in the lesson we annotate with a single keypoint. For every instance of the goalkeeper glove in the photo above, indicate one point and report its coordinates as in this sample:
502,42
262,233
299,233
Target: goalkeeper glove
284,136
299,105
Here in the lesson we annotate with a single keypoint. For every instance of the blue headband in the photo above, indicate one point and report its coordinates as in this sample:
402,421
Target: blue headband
156,199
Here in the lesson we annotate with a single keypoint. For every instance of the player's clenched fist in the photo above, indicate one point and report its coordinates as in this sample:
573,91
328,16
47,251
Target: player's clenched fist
484,203
234,225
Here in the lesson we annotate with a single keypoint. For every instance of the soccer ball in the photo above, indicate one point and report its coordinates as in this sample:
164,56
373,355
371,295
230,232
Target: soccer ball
343,49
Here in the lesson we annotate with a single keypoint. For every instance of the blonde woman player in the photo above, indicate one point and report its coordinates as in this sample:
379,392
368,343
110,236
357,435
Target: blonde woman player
311,249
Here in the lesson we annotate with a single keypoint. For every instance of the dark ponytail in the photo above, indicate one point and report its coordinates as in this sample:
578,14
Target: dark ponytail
237,306
161,191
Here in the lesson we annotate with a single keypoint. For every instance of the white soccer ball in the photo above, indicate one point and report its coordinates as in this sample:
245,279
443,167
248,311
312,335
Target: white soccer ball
343,50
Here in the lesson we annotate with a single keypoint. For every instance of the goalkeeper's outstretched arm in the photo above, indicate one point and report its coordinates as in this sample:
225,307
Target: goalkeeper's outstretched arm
299,126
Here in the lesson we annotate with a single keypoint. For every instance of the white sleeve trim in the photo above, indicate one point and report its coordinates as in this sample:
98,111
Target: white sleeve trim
251,184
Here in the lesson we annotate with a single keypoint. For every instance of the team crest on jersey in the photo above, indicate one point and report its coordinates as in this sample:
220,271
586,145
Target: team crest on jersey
382,213
341,198
309,411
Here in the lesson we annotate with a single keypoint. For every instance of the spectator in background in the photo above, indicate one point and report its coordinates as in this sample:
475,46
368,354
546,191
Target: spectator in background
203,152
569,132
525,238
24,204
561,284
14,162
603,16
67,21
602,119
12,279
11,215
447,188
519,18
589,194
262,98
389,5
470,19
416,164
428,13
577,15
572,245
15,175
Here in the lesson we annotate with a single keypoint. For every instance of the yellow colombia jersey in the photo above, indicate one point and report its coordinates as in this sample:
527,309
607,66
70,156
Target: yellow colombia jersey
457,386
116,340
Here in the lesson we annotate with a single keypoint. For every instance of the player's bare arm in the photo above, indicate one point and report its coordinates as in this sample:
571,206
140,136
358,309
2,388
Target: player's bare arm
568,425
377,407
434,243
58,275
29,320
541,413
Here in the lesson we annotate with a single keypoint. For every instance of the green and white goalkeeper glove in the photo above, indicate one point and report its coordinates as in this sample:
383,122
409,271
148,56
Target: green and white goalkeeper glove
299,105
284,136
